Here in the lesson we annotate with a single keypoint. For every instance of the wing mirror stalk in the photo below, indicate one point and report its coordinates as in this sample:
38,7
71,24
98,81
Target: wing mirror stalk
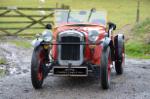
111,27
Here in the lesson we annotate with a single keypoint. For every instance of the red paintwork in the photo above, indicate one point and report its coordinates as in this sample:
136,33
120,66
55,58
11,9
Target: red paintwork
92,55
41,61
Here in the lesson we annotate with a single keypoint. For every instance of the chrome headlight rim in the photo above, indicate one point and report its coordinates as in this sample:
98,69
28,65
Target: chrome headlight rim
93,35
93,38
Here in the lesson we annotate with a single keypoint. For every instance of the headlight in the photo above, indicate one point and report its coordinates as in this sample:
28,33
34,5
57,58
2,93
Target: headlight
93,35
47,36
36,42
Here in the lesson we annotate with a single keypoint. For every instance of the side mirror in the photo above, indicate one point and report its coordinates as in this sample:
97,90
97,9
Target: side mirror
111,25
48,26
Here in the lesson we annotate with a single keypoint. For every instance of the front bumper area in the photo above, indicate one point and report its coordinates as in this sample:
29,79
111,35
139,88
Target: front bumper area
70,71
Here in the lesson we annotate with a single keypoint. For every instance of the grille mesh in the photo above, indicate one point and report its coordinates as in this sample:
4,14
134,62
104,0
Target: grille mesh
70,51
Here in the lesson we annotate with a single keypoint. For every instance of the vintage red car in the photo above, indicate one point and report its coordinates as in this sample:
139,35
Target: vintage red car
81,43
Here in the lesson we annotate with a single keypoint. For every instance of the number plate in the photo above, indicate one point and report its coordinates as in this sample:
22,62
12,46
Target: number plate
73,71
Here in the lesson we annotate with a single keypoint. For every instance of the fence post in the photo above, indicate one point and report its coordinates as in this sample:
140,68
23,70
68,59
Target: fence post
138,11
56,5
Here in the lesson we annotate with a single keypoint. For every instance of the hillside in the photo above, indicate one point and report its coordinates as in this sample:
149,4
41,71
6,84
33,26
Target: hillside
121,12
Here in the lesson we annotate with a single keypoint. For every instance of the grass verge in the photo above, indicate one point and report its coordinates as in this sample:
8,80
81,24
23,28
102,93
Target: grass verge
137,50
2,61
23,44
139,45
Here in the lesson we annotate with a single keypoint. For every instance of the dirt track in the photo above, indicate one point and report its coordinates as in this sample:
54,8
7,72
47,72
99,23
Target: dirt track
133,84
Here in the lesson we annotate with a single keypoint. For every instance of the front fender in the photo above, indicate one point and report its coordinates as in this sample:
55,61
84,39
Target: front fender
120,37
98,50
36,42
119,44
106,42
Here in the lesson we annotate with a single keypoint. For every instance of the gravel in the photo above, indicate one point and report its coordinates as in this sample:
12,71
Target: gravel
16,84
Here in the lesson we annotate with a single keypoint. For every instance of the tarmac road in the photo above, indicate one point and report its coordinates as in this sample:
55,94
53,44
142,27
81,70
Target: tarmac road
133,84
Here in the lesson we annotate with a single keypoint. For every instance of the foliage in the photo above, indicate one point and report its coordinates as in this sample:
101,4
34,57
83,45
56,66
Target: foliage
137,46
143,27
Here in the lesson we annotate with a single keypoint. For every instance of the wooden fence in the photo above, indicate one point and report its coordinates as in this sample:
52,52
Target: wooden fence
30,19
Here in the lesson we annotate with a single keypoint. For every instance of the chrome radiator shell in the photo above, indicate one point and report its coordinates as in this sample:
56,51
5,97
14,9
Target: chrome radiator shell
72,33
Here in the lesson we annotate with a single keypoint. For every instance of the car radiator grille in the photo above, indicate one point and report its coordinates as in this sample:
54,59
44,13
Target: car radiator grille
70,51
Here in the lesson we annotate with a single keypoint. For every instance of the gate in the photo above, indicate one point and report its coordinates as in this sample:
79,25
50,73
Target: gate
25,18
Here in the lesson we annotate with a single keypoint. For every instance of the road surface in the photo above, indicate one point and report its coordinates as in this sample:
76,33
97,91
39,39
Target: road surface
16,84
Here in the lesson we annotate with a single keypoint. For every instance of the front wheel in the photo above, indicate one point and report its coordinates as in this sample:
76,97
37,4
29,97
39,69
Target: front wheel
37,62
105,69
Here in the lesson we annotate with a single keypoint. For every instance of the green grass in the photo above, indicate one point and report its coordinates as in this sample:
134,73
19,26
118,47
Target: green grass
143,27
139,45
2,61
137,50
2,72
121,12
23,44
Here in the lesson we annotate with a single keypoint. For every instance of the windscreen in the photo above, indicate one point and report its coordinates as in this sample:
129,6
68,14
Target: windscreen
80,17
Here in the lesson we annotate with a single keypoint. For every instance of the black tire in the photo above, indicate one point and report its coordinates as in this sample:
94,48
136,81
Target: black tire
36,68
105,70
120,56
